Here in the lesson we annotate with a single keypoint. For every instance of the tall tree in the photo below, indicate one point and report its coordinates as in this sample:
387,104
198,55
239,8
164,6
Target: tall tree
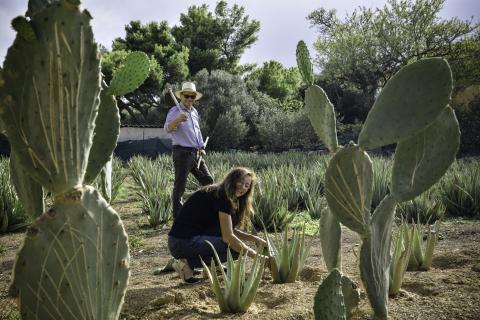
278,82
366,48
156,39
216,39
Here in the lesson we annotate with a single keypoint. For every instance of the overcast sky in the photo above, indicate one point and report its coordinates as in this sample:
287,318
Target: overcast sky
282,22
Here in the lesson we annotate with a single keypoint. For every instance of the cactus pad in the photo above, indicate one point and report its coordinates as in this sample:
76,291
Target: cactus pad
328,302
29,191
409,102
304,63
107,129
348,187
351,296
330,240
375,257
74,263
131,75
49,100
423,159
322,116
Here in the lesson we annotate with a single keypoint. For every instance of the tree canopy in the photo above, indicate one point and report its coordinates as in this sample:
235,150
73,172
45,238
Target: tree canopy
368,46
216,39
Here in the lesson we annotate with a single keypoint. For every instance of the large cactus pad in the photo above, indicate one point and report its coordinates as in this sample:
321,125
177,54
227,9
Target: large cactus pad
50,96
375,257
74,263
330,240
348,186
322,116
328,302
410,101
304,63
131,75
421,160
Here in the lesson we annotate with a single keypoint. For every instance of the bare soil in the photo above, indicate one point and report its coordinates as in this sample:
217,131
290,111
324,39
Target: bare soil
450,290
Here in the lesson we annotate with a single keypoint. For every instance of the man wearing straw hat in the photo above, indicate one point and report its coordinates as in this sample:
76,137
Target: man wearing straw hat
188,145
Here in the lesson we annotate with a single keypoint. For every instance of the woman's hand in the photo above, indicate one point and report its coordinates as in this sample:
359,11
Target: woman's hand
259,242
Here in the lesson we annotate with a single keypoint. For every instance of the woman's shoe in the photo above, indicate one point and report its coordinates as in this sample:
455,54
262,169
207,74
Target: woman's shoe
184,271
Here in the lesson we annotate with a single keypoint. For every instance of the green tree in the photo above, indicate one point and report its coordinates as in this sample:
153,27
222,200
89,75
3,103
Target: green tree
278,82
156,40
365,49
216,40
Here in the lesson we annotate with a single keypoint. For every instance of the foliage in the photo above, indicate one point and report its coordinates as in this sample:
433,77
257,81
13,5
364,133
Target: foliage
230,129
289,254
238,291
426,208
469,118
278,82
222,93
460,190
12,214
423,243
154,181
401,249
216,40
368,47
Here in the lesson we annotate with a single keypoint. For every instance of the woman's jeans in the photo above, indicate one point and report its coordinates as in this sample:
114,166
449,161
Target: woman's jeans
194,249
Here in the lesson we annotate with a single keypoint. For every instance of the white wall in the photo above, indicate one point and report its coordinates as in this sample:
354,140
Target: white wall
134,133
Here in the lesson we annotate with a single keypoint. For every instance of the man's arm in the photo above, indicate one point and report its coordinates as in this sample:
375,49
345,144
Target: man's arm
174,118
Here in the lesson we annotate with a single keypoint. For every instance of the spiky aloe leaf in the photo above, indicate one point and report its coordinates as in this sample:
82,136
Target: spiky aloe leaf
330,240
328,302
348,188
400,258
423,159
49,100
432,238
29,191
24,29
375,257
131,74
233,292
251,286
417,255
107,129
351,296
322,116
74,263
410,101
212,277
304,63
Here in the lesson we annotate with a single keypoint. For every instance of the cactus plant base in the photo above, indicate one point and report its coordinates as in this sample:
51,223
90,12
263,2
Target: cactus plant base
74,263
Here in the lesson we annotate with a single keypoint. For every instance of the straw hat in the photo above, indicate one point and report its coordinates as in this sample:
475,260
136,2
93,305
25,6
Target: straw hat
188,87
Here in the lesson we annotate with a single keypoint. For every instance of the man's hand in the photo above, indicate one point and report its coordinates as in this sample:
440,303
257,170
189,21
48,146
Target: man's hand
182,117
202,152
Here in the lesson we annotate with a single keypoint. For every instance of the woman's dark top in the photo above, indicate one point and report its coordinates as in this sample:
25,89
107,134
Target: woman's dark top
199,215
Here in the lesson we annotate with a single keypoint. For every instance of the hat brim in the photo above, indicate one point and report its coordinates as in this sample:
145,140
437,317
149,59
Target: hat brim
198,95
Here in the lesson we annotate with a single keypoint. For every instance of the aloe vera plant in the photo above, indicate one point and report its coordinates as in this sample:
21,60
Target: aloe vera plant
74,262
288,257
238,291
400,256
412,111
421,255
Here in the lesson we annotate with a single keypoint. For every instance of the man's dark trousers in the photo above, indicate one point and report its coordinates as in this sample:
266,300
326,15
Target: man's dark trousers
185,161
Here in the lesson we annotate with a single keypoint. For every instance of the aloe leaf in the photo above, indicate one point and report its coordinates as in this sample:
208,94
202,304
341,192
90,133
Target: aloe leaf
432,239
284,258
212,277
256,275
233,292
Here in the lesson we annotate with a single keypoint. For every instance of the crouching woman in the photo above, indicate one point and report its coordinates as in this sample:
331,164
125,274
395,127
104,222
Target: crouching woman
214,213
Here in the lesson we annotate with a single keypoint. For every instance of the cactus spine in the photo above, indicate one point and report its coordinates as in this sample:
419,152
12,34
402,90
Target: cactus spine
412,111
74,262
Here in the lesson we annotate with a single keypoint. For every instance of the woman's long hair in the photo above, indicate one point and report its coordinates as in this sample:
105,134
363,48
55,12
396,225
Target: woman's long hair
243,206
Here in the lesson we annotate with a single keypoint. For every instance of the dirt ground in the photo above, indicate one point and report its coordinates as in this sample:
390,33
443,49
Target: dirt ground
450,290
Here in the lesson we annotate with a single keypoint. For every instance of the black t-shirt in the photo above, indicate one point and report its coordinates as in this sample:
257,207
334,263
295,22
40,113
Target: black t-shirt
199,215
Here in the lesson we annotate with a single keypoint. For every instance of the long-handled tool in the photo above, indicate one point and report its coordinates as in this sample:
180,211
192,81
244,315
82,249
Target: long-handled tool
200,155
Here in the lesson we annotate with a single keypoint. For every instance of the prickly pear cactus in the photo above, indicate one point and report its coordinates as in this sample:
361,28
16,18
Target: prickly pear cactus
304,63
49,100
74,261
330,240
328,302
412,111
131,75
